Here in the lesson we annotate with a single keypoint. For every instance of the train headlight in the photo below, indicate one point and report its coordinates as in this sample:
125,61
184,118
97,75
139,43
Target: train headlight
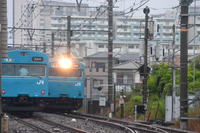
65,63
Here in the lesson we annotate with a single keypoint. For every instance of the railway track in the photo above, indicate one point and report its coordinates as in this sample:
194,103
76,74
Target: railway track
45,126
91,125
137,127
42,124
114,122
35,127
67,128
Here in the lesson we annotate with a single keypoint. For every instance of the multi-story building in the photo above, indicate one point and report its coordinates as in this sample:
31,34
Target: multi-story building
89,29
32,21
125,76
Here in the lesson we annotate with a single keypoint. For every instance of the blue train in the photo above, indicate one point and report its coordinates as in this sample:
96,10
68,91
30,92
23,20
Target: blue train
66,85
31,83
24,80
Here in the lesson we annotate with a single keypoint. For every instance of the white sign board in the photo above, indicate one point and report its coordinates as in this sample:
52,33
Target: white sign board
168,108
102,101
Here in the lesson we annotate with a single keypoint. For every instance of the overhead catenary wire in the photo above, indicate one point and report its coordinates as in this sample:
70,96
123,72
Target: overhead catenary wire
23,14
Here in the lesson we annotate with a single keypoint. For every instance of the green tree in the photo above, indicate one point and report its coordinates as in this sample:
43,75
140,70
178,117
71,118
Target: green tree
159,81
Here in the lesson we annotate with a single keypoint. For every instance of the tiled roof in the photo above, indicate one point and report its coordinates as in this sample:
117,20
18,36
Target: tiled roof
131,65
129,56
98,55
121,57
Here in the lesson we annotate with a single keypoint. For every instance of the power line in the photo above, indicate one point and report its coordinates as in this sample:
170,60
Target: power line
23,14
40,29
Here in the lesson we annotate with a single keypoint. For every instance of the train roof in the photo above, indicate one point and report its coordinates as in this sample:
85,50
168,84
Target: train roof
26,56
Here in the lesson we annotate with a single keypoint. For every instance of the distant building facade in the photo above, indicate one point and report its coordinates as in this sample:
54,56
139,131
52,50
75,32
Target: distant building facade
125,73
89,29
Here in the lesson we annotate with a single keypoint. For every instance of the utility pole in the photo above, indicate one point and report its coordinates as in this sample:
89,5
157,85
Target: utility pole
68,35
13,34
3,28
183,64
36,47
110,55
145,90
3,47
173,75
52,44
194,47
44,47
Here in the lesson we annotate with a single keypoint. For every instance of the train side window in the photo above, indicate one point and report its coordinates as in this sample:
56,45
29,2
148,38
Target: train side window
23,70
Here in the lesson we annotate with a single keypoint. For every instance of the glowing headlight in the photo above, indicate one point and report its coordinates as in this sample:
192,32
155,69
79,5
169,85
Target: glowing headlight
65,63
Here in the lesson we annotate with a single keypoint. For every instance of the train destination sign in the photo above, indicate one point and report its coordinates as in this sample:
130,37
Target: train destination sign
37,59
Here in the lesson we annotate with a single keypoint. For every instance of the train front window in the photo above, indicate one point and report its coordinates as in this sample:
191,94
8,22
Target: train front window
58,72
23,70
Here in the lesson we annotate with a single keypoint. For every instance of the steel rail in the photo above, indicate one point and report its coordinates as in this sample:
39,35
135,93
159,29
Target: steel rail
138,126
70,129
102,121
37,128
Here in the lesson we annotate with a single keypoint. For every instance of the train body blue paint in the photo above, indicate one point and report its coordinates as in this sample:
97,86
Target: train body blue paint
66,87
24,80
31,83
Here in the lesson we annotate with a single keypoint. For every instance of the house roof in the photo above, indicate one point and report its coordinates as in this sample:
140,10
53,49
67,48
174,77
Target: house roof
130,65
121,57
98,55
129,56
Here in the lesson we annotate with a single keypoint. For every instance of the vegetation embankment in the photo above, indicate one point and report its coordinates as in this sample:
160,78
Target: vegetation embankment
160,86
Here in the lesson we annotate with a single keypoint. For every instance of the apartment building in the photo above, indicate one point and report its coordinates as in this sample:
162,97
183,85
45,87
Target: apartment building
89,30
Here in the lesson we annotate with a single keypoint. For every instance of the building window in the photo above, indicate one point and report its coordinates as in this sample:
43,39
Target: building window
99,65
131,46
97,83
190,47
101,46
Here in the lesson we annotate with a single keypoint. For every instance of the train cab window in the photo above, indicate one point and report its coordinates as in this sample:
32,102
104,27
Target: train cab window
23,70
65,73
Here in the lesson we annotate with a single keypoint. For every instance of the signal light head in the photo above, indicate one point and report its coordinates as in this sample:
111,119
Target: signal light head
65,63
